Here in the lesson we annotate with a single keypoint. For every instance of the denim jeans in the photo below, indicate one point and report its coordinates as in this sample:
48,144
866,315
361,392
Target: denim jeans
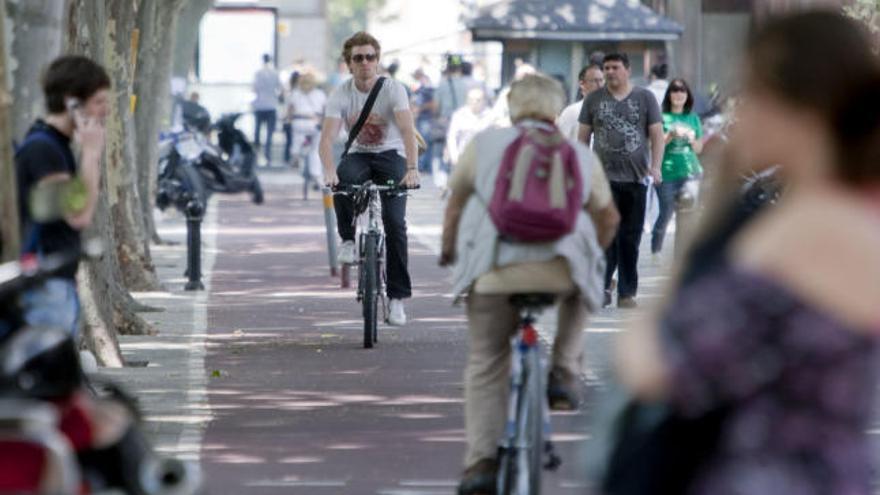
267,117
424,127
357,168
287,127
54,304
623,253
667,191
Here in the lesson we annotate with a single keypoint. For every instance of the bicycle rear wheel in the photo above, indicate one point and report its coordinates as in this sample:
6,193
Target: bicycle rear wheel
530,430
371,289
520,463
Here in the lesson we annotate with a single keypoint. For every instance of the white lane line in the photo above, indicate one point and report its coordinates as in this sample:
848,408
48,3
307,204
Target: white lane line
190,441
313,483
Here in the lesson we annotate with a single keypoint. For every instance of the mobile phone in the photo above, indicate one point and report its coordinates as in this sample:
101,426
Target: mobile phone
72,104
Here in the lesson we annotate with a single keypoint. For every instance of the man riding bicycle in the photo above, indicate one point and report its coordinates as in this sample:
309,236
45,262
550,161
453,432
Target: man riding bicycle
383,150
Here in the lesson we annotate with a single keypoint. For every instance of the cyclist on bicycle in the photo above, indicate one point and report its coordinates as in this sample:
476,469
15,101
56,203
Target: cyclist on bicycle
384,149
488,269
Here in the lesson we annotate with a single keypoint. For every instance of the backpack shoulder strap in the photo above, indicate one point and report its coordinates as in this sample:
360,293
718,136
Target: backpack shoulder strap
365,112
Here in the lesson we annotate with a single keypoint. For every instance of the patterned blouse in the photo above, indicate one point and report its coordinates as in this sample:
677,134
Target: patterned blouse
800,385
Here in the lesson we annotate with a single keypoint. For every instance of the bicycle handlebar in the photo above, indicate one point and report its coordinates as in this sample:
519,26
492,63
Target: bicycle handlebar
352,188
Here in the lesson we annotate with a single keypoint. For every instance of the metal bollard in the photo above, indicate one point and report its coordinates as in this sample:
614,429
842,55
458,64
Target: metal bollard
194,212
330,224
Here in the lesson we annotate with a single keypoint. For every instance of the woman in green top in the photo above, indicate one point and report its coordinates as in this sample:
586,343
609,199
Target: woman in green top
680,163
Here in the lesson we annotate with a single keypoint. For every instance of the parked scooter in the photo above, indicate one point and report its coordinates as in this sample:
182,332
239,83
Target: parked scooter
191,167
179,179
57,435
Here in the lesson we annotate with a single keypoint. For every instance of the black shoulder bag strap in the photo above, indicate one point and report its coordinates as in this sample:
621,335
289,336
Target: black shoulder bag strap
365,112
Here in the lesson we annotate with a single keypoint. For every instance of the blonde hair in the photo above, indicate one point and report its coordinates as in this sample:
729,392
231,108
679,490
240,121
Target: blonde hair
535,96
307,82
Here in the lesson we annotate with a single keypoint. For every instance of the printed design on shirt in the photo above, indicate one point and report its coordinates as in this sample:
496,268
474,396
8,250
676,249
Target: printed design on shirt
373,132
618,131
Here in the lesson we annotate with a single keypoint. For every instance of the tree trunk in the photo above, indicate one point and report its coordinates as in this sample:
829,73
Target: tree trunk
101,30
157,21
36,40
9,229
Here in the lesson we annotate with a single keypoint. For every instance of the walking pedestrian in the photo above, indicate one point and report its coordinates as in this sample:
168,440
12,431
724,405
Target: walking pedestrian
488,269
306,105
287,126
625,124
423,104
590,78
267,89
775,342
466,122
384,149
77,95
681,166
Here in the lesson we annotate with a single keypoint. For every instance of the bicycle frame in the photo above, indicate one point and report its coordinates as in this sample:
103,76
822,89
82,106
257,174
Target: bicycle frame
371,241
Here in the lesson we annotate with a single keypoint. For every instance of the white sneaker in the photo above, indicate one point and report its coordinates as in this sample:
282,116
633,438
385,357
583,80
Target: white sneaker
347,253
396,315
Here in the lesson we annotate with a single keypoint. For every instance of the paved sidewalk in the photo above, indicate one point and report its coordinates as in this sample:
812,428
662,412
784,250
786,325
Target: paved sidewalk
171,388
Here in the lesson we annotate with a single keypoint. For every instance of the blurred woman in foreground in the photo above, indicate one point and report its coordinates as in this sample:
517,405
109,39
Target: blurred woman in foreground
782,331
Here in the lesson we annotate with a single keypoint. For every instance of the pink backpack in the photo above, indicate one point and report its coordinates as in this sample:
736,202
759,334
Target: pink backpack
539,188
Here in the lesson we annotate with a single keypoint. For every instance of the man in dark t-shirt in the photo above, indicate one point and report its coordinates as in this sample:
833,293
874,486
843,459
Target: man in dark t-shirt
76,90
626,126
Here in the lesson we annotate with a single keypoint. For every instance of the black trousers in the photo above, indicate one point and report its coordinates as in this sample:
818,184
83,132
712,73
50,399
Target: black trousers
357,168
623,254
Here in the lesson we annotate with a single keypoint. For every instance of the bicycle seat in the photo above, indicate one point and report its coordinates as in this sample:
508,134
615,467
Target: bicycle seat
534,300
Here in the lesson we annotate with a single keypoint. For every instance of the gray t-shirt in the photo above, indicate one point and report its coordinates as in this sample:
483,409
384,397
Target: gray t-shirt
380,132
620,131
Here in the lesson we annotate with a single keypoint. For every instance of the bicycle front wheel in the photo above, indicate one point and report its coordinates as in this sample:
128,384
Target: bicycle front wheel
371,288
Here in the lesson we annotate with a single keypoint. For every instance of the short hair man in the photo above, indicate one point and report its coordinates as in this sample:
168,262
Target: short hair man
590,78
385,149
267,88
77,96
627,130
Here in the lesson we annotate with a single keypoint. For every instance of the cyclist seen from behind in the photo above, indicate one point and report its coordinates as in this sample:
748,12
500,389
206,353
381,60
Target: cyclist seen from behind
383,150
489,267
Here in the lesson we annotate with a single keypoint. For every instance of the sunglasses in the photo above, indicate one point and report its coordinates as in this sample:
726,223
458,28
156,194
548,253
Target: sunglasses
359,58
677,89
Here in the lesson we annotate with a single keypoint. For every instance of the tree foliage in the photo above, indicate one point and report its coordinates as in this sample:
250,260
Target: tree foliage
347,17
868,12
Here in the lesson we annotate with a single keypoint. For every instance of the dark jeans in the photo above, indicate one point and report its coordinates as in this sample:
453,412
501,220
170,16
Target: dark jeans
287,127
357,168
623,254
667,191
267,117
424,127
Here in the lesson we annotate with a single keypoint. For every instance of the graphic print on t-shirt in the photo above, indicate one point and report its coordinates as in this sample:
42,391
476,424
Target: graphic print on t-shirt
373,132
619,132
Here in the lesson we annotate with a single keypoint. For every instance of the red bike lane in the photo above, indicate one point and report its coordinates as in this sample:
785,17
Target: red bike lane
298,405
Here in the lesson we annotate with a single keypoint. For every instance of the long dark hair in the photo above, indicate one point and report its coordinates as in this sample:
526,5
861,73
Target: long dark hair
667,102
822,61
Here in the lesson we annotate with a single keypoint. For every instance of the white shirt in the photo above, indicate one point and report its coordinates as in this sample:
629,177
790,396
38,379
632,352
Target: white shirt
380,132
462,127
266,87
567,122
308,108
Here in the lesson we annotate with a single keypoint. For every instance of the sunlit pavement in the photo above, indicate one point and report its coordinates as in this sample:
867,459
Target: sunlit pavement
262,378
274,393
